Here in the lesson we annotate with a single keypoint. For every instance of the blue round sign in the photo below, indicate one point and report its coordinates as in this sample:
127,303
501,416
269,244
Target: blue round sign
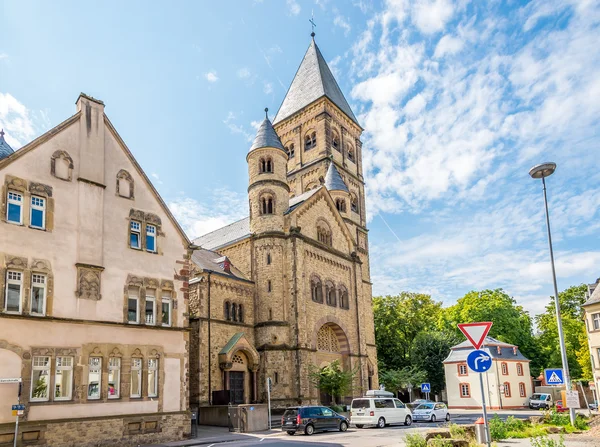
479,361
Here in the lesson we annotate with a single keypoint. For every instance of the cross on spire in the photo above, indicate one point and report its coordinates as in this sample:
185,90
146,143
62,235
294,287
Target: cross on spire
312,22
267,112
2,133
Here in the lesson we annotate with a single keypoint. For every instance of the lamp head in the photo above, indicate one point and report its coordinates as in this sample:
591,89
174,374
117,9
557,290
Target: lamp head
543,170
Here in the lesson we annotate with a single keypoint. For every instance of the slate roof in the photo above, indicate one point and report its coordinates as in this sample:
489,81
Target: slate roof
213,261
225,236
295,202
595,295
460,352
5,149
312,81
266,137
334,181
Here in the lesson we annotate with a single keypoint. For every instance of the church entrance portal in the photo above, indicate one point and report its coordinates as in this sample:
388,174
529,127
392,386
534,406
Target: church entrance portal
236,385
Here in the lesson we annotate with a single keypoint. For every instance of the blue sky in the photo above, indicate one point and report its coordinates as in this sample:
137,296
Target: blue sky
458,101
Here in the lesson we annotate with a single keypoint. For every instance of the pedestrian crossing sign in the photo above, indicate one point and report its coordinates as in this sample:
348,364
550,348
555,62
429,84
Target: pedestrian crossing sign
425,387
554,377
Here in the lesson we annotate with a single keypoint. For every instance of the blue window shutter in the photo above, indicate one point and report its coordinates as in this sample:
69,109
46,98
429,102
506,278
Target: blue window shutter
37,218
150,243
14,213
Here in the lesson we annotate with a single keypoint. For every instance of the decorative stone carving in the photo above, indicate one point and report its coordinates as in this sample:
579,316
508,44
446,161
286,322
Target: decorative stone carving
61,165
40,189
15,262
125,184
116,353
136,214
40,265
153,219
134,281
151,283
166,284
16,183
136,353
88,282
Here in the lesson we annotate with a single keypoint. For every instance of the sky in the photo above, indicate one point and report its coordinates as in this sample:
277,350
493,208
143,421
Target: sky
458,100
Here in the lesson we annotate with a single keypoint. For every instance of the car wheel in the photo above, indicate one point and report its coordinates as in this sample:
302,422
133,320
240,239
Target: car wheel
359,425
433,418
309,430
447,416
408,420
291,433
381,423
343,426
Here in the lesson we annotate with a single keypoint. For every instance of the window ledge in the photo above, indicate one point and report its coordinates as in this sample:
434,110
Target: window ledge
37,228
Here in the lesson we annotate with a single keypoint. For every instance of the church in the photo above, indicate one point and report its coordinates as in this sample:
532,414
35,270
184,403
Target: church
287,290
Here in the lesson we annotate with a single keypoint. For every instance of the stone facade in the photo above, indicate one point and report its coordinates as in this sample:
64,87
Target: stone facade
303,269
77,249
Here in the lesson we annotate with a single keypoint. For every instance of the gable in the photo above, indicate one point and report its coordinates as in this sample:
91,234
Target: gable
321,209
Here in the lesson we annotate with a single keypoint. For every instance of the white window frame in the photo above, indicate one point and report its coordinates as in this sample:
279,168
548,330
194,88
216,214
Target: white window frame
504,368
40,285
34,368
151,232
135,227
153,366
11,199
596,321
166,298
64,368
522,389
467,387
136,369
153,300
94,368
19,282
461,368
137,308
114,366
38,207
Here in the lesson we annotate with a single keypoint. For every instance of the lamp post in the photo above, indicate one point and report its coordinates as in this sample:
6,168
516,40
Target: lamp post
542,171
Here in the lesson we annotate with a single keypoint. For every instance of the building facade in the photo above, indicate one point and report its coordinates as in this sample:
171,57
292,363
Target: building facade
591,309
93,318
287,290
507,383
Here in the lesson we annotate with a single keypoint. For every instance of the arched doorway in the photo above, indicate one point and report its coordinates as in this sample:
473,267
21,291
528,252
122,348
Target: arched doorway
239,363
332,345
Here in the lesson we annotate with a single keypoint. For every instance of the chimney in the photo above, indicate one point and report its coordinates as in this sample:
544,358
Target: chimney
91,139
514,350
227,265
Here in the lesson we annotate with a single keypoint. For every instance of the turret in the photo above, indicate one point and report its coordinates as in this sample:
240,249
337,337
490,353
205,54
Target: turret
337,188
268,189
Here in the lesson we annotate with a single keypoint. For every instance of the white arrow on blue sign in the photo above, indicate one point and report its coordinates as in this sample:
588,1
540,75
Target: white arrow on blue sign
554,376
425,388
479,361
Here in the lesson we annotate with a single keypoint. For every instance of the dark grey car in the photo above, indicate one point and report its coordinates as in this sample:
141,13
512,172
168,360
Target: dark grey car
310,419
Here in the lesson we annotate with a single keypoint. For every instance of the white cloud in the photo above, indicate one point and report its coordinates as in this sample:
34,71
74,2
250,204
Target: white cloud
20,124
447,45
219,208
243,73
343,23
235,128
211,76
267,88
431,16
156,177
3,56
293,7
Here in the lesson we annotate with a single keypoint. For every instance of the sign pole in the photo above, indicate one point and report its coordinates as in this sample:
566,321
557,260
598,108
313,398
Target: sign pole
485,418
17,421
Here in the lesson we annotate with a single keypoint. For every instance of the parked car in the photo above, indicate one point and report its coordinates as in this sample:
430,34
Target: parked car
431,412
559,407
541,401
310,419
594,406
379,408
415,403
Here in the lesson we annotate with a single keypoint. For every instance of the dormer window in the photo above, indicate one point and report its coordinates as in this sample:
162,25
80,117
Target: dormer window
265,165
310,141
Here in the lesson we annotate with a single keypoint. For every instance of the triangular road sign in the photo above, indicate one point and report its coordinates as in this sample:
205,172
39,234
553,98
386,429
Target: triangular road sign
554,378
475,332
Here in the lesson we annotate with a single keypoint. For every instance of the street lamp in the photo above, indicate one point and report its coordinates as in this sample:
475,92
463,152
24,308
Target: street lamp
542,171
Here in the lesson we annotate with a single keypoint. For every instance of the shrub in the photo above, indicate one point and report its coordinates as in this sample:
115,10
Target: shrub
498,430
458,431
514,424
581,422
415,440
544,441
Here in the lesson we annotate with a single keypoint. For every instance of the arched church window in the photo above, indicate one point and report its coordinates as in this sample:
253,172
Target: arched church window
268,258
265,165
343,293
240,314
327,340
266,205
330,295
291,151
354,203
324,234
227,310
234,312
310,140
316,289
340,204
350,152
335,141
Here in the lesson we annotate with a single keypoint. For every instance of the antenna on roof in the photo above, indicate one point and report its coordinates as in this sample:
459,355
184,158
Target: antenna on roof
312,22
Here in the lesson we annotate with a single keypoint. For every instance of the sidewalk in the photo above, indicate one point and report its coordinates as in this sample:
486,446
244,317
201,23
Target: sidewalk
215,435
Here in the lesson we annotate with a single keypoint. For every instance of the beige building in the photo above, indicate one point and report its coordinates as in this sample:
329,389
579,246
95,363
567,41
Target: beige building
93,316
507,383
591,310
288,288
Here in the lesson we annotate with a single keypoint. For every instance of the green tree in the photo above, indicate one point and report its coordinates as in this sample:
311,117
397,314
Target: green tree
578,355
332,379
512,324
398,320
428,351
396,380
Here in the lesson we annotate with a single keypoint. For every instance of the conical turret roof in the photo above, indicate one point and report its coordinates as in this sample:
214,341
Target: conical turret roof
312,81
5,149
334,181
266,137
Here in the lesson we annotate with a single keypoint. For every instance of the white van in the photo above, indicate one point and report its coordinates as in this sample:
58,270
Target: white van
379,408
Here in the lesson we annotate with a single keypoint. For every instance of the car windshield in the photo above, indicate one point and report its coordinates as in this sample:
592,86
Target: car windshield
538,397
361,403
288,413
425,407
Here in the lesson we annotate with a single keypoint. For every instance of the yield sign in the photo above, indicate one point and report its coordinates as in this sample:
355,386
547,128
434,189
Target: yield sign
475,332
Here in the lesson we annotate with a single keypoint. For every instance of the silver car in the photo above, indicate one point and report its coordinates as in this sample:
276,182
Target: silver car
431,412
